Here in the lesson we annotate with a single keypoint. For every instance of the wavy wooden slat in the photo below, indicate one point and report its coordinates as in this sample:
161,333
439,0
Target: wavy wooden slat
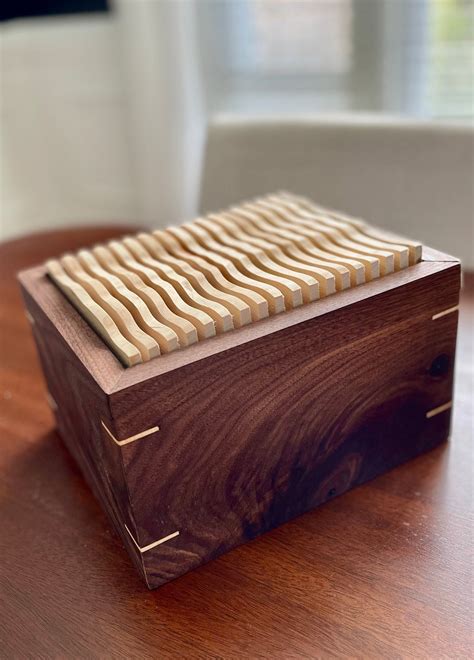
239,310
257,303
305,250
147,346
261,258
94,314
414,247
385,258
284,252
371,264
291,292
149,295
273,296
165,337
353,231
208,311
188,332
120,313
156,292
366,229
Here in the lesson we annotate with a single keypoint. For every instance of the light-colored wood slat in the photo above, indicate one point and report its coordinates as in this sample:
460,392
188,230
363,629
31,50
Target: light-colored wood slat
305,250
147,346
414,247
273,296
293,259
371,264
184,332
400,253
165,337
386,258
261,258
94,314
290,291
330,275
156,292
240,311
189,317
257,303
211,312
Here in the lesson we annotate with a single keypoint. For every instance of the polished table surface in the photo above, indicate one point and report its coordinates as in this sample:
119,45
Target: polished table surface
382,571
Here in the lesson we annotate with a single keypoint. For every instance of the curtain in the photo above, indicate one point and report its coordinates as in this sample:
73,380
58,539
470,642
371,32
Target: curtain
165,104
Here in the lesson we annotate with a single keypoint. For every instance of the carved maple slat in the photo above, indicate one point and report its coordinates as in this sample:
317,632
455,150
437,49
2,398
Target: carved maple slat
172,288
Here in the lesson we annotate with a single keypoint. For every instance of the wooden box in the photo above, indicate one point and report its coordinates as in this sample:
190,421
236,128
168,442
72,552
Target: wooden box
205,448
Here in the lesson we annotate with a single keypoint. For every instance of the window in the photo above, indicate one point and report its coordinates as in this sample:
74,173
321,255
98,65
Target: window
291,38
451,59
413,57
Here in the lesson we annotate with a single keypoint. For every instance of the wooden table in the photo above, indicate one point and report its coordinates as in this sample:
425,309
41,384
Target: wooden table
384,571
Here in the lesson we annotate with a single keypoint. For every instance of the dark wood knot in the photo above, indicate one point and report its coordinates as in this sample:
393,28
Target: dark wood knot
440,366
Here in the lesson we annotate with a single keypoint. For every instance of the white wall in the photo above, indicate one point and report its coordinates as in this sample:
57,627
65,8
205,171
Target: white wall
65,153
102,118
166,105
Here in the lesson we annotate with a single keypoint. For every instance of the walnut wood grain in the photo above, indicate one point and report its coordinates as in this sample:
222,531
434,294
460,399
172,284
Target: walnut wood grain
299,416
304,410
382,571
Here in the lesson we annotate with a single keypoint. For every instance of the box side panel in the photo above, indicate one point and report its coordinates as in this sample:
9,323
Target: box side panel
255,436
80,406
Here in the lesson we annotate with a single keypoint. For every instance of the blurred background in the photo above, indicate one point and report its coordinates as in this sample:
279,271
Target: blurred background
149,111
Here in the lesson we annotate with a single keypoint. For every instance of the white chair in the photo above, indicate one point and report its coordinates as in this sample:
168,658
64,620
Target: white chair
412,177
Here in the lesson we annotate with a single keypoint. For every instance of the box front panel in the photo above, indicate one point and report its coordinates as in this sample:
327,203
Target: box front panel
258,435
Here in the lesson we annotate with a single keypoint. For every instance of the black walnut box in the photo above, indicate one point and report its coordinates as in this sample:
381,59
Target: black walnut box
202,449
